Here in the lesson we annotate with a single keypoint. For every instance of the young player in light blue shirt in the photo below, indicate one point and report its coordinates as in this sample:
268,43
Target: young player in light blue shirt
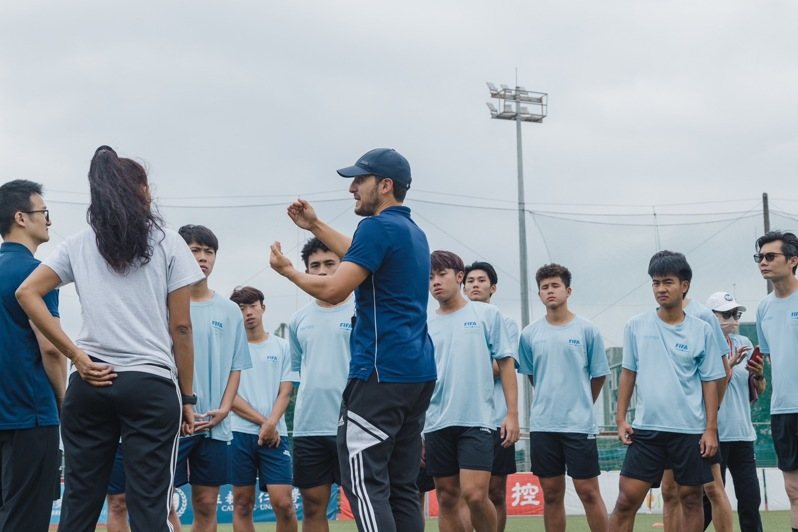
735,431
220,353
777,331
260,436
563,355
479,284
673,361
319,337
468,336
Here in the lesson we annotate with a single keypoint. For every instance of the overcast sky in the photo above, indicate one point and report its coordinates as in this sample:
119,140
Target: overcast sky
238,107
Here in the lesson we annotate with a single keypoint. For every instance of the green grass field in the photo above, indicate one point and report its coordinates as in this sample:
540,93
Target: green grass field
770,521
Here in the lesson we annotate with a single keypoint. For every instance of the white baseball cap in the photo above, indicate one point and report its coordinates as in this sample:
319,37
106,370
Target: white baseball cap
723,301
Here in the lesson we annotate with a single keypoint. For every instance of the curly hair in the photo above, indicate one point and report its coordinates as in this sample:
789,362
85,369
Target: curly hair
120,212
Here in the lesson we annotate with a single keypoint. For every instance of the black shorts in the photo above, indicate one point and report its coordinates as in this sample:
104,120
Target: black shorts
424,481
555,452
315,461
503,457
652,451
784,428
454,448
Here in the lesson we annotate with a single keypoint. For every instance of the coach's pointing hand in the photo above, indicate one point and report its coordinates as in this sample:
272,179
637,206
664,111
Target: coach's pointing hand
94,373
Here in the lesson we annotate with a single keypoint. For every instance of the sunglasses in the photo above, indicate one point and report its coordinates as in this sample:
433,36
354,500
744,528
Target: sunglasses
730,314
770,257
46,213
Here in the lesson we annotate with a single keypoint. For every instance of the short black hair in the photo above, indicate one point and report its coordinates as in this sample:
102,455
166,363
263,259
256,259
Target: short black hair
444,260
15,197
789,243
547,271
246,295
312,246
199,234
485,267
666,262
399,189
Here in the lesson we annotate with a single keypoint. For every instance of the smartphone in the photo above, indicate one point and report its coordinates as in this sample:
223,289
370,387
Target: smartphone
756,356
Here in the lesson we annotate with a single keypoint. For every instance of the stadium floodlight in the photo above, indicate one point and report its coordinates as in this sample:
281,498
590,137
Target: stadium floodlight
535,111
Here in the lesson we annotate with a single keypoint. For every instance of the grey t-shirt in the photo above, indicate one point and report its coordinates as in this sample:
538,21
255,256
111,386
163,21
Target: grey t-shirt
125,318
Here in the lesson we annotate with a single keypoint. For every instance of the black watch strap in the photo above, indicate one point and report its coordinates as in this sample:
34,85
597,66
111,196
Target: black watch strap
189,399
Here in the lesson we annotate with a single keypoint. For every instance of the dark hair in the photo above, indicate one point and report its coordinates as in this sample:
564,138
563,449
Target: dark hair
15,197
312,246
199,234
485,267
246,295
399,190
547,271
444,260
789,243
120,213
664,263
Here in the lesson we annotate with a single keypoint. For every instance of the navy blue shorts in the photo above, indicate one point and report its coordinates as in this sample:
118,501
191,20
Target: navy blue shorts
269,465
116,486
202,461
503,457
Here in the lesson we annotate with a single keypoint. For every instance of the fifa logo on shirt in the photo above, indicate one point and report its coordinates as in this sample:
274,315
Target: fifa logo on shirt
681,347
470,325
794,315
345,325
272,358
574,342
216,324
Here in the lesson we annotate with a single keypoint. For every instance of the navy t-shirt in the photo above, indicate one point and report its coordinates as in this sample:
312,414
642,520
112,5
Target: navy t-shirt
27,399
390,330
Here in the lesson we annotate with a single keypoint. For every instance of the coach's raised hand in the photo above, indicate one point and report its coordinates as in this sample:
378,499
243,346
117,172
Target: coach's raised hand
303,215
279,262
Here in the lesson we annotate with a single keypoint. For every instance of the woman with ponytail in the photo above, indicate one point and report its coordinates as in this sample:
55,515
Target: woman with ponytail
134,356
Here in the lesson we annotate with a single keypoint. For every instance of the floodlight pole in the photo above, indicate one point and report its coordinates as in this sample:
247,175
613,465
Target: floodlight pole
539,102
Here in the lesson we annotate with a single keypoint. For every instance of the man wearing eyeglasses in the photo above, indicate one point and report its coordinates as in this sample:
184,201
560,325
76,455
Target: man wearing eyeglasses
34,372
777,330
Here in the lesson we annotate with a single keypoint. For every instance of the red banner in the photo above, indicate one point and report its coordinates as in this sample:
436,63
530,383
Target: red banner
524,497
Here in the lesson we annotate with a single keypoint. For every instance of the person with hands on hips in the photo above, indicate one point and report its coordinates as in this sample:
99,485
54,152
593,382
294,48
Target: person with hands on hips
134,356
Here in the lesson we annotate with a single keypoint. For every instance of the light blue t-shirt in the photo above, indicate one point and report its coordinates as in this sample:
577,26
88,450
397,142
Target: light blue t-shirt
319,339
499,402
220,346
671,362
777,331
562,360
466,343
734,416
260,385
703,313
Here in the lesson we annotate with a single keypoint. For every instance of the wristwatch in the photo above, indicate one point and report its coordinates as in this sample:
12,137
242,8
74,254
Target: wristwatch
189,399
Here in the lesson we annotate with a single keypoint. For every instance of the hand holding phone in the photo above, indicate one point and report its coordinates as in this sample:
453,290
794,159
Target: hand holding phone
755,365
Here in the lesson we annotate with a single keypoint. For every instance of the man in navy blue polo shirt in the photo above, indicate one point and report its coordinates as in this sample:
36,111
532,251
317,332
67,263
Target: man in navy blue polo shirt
392,369
33,371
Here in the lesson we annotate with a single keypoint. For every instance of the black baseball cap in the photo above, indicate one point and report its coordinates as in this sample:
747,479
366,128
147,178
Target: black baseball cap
381,162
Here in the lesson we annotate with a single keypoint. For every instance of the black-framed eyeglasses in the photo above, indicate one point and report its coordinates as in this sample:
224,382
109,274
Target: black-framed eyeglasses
770,257
730,314
46,213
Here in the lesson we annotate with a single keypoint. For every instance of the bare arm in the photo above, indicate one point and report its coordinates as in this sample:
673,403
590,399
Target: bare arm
709,440
332,289
625,388
217,415
247,411
303,215
30,295
55,364
510,427
724,383
596,384
179,305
